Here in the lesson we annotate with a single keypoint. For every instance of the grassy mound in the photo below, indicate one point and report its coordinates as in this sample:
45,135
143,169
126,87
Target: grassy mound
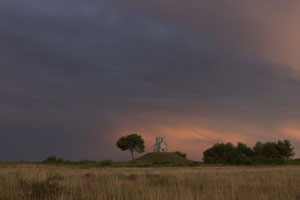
164,158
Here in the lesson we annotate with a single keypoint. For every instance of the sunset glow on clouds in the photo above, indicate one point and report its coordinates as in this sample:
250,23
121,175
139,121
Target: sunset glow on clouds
76,75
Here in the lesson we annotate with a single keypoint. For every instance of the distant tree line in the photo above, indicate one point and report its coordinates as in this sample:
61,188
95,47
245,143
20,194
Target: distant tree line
59,161
262,153
280,152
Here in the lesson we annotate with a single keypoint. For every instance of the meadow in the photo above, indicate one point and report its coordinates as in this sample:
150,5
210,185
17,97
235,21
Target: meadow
40,181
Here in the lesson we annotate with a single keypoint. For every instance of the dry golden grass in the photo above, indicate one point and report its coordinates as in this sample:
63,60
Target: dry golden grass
29,181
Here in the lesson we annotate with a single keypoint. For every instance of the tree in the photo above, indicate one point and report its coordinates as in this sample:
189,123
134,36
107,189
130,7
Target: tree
132,143
285,149
272,152
222,153
258,148
244,149
262,153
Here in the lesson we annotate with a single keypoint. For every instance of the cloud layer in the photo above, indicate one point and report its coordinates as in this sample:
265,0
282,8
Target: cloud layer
77,75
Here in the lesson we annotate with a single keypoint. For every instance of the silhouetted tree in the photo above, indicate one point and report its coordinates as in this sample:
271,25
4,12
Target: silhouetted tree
132,143
286,149
221,153
269,152
244,149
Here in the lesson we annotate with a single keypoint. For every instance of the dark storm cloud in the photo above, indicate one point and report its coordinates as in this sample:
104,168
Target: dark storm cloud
73,74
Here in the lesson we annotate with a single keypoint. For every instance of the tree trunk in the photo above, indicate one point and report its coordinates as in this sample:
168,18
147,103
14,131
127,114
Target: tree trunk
132,155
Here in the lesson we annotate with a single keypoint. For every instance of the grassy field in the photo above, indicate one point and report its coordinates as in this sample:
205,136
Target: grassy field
37,181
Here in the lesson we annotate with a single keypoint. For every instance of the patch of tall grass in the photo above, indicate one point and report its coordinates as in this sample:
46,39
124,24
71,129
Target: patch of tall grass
29,181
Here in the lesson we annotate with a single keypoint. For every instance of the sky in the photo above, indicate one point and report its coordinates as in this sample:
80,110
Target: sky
76,75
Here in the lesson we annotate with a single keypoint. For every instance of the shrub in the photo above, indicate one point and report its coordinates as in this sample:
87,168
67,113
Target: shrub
181,154
221,153
59,160
106,163
50,159
262,153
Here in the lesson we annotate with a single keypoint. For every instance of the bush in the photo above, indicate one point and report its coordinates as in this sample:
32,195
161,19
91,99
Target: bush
50,159
221,153
262,153
181,154
106,163
295,161
83,162
59,160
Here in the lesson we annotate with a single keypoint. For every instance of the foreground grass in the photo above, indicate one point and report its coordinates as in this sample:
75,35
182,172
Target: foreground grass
35,181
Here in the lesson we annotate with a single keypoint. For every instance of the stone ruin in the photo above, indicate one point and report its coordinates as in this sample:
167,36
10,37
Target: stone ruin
161,145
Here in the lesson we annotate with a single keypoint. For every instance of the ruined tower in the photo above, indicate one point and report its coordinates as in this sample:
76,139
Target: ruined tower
161,145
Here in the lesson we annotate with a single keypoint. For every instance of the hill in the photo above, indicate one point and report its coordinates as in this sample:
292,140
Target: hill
164,158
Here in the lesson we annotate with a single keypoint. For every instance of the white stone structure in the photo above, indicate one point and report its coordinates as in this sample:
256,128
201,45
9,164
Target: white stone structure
161,145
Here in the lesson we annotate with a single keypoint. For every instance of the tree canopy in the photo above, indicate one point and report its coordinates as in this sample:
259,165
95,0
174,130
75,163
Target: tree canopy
132,143
261,153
